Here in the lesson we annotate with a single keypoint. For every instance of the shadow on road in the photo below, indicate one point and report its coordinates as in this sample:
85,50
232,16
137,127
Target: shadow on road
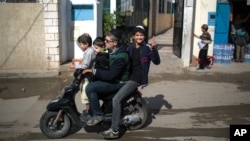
3,89
154,106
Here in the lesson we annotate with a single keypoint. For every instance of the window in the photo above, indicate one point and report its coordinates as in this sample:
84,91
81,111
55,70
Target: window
126,5
161,6
222,1
82,12
170,7
106,6
165,6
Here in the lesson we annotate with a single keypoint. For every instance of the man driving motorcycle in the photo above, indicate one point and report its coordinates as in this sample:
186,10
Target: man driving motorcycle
109,81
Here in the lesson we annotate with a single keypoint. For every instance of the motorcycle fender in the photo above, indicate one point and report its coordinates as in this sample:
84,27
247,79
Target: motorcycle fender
57,104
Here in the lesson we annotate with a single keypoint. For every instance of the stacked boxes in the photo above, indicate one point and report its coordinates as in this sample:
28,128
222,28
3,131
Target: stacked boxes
247,54
223,53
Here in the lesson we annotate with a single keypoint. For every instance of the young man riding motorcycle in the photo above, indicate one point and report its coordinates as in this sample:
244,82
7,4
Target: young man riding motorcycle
141,55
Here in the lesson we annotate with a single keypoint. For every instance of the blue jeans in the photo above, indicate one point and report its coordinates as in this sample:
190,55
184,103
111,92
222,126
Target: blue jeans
126,89
96,88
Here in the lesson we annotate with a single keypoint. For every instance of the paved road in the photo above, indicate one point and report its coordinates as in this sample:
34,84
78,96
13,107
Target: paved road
203,114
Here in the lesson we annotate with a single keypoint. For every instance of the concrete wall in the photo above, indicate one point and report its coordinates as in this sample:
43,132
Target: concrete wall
164,21
187,33
22,37
29,39
158,22
66,52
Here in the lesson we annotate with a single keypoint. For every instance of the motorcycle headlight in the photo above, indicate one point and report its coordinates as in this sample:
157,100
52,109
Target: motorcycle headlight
62,93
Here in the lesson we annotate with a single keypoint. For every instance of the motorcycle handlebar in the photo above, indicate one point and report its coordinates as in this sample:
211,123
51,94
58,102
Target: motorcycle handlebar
78,72
78,76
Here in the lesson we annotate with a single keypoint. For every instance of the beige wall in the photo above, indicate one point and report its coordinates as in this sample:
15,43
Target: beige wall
164,22
29,40
158,23
22,37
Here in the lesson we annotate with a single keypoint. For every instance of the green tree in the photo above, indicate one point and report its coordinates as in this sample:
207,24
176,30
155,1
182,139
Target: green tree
111,20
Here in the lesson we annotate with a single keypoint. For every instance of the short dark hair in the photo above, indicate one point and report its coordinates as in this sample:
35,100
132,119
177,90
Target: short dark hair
99,41
117,34
205,26
85,39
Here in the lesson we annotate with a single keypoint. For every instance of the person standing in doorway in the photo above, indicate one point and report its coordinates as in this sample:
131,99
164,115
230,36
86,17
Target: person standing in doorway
241,42
205,39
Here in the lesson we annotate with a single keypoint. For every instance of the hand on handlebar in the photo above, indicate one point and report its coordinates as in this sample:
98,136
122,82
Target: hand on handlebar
86,71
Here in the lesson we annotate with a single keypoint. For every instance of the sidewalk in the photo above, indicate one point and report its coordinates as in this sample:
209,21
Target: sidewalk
172,64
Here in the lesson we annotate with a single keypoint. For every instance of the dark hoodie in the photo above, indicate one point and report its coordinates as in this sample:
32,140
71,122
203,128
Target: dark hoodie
119,66
147,54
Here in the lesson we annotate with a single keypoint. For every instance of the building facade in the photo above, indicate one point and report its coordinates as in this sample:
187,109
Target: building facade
40,35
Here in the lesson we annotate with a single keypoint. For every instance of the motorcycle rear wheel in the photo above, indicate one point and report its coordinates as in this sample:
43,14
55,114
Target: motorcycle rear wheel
142,112
47,128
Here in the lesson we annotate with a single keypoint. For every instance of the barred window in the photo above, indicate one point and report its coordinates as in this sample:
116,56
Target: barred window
169,7
161,6
106,6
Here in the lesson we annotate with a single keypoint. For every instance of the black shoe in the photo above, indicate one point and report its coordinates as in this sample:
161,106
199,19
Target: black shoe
110,134
200,69
94,120
209,65
85,116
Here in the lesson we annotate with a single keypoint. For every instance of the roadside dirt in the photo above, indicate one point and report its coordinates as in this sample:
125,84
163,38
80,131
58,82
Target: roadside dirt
49,88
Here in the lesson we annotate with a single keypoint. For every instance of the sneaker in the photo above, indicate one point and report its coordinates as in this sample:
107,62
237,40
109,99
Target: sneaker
85,116
94,120
110,134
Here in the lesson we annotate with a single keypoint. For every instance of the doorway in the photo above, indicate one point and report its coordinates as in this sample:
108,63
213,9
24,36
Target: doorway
242,9
222,22
178,27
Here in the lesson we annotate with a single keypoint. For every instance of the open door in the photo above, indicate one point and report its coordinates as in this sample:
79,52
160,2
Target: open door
222,23
178,27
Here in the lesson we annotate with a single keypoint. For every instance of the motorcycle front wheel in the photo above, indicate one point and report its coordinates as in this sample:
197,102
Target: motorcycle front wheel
52,130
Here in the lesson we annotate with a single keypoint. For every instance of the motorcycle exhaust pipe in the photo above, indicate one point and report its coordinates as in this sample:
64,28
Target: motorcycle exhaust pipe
131,119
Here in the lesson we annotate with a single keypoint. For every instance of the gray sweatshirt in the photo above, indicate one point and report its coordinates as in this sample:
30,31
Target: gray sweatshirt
88,56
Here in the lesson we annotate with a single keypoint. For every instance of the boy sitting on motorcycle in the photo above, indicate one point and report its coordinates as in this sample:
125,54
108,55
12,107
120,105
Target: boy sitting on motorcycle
100,62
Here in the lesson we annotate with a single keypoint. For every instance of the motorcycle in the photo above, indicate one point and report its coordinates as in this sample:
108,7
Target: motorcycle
62,117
